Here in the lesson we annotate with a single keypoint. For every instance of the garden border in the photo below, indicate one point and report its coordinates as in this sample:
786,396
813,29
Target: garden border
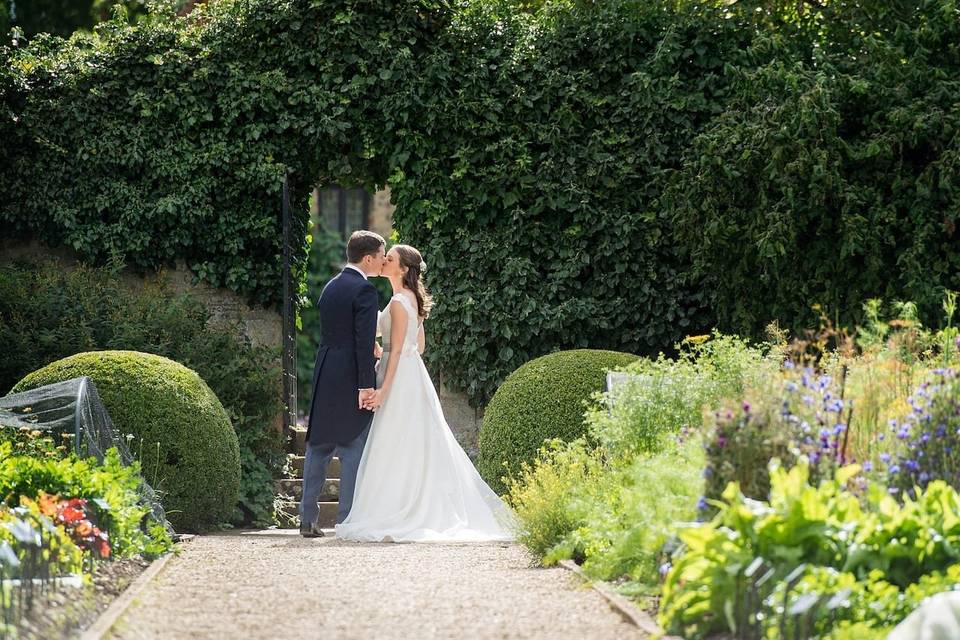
630,612
109,617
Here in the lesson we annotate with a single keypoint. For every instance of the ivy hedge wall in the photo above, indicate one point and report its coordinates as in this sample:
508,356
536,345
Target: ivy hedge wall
578,174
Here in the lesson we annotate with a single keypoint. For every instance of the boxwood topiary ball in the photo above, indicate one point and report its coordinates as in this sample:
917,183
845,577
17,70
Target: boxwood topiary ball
541,400
182,435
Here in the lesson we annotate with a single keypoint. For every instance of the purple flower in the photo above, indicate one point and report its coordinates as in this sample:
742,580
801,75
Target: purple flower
868,466
707,472
924,477
885,458
702,503
895,469
664,569
912,465
904,433
791,386
746,407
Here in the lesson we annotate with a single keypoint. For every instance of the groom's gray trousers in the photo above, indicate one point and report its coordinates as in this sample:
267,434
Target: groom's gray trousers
315,474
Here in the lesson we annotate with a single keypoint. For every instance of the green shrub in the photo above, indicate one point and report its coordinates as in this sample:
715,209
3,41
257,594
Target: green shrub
180,432
612,516
48,312
548,495
544,399
663,396
630,517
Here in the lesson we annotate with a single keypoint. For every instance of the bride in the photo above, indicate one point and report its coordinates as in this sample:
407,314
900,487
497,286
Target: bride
415,483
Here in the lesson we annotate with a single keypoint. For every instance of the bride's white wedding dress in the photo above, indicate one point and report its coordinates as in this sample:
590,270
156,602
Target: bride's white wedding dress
415,483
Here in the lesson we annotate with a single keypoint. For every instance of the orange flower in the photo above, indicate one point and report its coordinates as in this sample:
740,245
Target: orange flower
48,504
83,528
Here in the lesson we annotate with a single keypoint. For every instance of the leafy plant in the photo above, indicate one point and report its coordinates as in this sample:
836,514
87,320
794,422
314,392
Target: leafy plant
111,487
802,525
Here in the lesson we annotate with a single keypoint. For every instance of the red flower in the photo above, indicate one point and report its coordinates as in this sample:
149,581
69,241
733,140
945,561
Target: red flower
70,515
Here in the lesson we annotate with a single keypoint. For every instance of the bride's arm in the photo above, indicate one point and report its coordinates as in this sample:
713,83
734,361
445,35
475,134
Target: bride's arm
398,329
421,340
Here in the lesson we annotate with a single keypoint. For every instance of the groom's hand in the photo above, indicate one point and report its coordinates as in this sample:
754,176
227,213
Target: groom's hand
364,398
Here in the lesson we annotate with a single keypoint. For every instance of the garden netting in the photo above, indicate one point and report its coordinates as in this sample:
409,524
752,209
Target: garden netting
74,407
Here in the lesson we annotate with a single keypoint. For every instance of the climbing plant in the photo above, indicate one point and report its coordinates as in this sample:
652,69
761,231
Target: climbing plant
572,170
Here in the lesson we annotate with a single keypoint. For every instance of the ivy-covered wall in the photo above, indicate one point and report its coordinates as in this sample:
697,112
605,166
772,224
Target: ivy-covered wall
605,174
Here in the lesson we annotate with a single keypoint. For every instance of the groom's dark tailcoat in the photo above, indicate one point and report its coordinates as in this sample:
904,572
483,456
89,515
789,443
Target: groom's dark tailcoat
345,363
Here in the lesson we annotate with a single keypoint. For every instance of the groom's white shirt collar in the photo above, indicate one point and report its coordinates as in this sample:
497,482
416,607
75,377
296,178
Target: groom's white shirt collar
357,269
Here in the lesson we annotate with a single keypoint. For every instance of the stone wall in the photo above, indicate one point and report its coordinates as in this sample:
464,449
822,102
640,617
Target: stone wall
262,326
463,419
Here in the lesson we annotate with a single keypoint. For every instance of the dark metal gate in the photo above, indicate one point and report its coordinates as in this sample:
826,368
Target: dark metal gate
289,317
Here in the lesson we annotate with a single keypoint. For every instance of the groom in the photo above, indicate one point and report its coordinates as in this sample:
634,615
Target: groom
343,377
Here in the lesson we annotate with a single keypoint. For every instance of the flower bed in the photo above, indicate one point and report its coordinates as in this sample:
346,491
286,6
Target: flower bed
782,490
61,519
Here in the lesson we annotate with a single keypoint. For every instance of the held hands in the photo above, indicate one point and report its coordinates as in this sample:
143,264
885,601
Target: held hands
364,398
371,399
377,350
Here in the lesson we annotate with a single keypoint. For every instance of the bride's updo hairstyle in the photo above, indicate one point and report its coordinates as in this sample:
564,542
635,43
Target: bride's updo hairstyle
413,278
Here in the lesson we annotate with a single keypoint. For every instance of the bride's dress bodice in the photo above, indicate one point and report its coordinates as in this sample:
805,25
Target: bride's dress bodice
385,325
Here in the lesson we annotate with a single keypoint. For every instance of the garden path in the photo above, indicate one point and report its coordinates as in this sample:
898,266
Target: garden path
275,584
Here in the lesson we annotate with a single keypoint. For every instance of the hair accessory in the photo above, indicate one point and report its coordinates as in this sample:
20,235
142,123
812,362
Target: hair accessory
423,266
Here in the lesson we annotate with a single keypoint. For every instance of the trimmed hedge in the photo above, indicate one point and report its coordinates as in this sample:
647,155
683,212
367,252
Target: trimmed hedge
544,399
181,433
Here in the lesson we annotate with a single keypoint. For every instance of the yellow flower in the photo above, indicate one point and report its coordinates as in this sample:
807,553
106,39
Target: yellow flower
697,339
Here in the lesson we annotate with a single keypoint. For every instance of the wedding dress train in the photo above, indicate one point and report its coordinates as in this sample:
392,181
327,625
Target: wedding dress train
415,482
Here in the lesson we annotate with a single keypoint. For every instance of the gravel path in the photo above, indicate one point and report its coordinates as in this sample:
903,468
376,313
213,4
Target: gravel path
275,584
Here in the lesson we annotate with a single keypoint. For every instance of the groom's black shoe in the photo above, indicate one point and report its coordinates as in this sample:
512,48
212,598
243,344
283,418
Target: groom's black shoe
313,531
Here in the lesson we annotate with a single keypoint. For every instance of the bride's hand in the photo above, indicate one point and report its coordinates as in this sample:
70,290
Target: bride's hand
377,350
378,397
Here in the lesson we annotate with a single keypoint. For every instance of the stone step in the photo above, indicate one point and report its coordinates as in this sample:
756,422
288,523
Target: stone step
328,515
296,467
293,487
298,442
